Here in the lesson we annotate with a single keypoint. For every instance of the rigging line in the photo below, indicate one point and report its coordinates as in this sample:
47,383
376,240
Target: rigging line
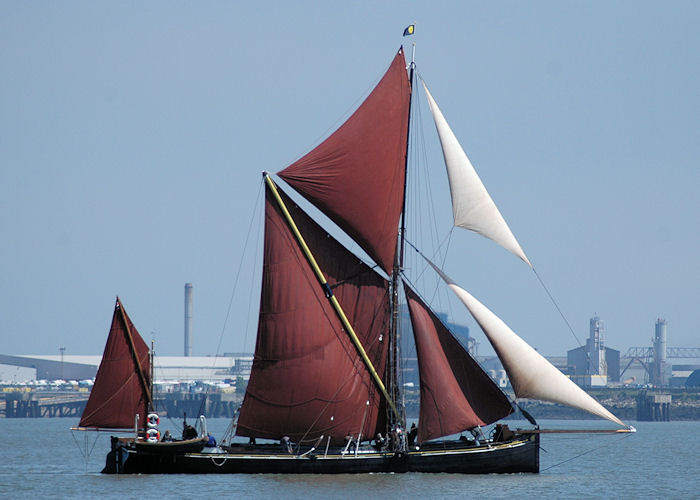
443,258
444,241
238,273
93,444
257,258
584,453
371,392
420,145
202,405
78,445
551,297
87,453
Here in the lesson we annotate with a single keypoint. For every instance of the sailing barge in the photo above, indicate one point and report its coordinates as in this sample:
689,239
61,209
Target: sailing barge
325,381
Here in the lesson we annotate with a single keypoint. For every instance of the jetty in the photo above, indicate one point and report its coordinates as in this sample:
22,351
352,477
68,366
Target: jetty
46,404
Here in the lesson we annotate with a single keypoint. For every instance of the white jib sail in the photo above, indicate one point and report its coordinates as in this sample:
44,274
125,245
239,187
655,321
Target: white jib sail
530,374
472,205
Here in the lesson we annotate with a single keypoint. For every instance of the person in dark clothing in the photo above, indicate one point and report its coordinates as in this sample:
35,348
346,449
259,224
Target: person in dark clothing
412,434
286,444
379,442
167,437
189,432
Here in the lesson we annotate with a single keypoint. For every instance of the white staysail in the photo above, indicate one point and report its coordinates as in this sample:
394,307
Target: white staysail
530,374
472,205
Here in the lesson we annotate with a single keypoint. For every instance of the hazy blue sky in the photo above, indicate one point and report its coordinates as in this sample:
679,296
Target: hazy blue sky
132,137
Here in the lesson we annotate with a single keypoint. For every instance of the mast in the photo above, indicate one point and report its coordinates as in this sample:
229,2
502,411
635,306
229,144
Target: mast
153,396
408,132
394,354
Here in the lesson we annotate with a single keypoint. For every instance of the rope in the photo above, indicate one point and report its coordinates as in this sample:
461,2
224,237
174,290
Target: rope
203,402
238,274
551,297
221,464
581,454
78,445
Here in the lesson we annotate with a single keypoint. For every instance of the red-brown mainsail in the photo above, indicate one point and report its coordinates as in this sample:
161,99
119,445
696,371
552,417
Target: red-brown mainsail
307,380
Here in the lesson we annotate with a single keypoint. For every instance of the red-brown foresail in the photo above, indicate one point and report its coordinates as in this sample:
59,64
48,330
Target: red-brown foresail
455,393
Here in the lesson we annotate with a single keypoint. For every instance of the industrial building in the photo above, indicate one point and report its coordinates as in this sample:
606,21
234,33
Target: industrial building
652,365
594,365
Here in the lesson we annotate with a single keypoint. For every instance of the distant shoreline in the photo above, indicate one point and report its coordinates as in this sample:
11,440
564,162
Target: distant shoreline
685,405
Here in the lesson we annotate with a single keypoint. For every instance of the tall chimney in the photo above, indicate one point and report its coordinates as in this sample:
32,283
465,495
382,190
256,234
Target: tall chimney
659,353
188,319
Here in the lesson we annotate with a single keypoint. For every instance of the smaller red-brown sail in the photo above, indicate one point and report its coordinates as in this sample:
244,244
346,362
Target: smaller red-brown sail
455,393
122,385
356,176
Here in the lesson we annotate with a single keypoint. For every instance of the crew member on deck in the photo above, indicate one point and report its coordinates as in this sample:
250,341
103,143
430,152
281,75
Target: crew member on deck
412,434
286,444
189,432
478,435
211,442
379,442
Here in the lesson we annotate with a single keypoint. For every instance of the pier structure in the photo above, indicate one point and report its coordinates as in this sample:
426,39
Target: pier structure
653,407
39,404
72,404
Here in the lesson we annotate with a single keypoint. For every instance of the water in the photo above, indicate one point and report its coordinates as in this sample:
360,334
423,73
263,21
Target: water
41,458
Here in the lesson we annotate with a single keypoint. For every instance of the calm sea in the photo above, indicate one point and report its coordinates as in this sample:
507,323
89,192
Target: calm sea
43,458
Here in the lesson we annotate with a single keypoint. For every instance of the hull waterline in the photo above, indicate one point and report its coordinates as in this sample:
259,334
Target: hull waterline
516,456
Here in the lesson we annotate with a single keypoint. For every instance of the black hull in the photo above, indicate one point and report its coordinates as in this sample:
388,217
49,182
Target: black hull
518,455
